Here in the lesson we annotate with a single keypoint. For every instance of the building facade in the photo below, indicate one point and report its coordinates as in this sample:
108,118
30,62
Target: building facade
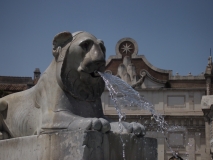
9,84
176,97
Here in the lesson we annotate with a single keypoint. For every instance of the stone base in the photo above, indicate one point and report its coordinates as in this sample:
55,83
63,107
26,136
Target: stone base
79,145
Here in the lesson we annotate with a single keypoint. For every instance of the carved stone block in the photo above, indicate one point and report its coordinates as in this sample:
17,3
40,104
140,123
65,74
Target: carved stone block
79,145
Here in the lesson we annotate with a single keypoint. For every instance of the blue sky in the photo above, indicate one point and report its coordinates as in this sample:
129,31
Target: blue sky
172,34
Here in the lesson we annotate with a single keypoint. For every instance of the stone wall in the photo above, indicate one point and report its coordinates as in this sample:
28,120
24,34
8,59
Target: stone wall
79,145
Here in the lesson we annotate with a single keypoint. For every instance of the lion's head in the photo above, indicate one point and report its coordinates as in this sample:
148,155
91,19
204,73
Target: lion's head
80,56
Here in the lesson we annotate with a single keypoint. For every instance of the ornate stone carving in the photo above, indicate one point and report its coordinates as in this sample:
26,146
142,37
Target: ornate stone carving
127,72
126,47
207,107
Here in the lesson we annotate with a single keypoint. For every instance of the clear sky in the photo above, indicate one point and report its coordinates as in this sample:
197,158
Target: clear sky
172,34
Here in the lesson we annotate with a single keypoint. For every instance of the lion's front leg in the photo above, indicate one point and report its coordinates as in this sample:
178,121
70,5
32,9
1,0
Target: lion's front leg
98,124
125,127
4,135
64,120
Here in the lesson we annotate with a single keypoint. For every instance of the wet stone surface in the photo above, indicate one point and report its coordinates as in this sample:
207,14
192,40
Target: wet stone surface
79,145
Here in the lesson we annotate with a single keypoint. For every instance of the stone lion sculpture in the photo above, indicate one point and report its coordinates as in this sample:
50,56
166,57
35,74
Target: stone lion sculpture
67,96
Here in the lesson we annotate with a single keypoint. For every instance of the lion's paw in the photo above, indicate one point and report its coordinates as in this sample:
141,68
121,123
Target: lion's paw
125,127
98,124
3,135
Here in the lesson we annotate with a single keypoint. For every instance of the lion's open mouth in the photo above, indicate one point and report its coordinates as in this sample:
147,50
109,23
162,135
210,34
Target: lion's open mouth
95,74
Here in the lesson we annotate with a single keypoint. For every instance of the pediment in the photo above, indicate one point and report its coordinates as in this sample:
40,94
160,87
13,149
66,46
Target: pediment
131,67
150,83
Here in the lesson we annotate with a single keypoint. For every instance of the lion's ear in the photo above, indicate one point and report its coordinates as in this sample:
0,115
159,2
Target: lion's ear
60,40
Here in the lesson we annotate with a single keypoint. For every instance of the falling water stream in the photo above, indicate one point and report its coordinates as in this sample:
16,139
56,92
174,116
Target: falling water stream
124,96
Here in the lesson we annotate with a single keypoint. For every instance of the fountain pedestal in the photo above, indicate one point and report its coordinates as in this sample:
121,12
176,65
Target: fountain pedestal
79,145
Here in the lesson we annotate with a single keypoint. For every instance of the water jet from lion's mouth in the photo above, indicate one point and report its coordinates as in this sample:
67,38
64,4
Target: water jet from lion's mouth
124,96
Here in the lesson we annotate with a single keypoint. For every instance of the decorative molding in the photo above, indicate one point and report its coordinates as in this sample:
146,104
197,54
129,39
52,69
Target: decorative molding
190,77
135,52
151,77
153,67
207,107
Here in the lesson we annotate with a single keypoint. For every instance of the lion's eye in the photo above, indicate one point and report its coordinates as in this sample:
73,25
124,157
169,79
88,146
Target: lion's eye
86,45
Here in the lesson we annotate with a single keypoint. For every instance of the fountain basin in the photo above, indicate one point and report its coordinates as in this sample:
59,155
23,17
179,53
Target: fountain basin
79,145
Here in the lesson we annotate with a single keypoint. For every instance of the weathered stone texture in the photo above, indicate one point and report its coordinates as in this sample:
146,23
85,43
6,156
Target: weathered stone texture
79,145
188,84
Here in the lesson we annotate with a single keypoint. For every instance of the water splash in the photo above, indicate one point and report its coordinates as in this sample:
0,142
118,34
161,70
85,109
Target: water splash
124,96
